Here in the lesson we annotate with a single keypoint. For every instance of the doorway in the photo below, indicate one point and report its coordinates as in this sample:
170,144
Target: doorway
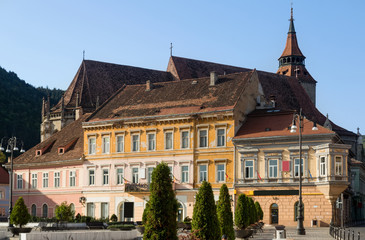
274,212
126,212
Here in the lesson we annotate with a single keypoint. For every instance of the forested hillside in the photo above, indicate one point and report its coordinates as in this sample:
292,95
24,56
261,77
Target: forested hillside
20,108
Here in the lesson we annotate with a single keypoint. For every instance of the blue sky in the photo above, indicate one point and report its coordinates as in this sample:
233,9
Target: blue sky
43,41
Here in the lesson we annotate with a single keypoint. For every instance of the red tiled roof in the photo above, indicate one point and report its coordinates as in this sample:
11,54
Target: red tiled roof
291,46
177,97
4,176
60,139
270,123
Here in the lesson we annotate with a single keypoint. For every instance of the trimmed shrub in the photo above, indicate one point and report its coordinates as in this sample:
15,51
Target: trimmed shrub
242,218
19,215
260,213
64,212
205,220
162,210
114,218
252,210
224,212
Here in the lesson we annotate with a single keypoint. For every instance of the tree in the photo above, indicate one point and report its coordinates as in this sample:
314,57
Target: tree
260,213
242,219
205,220
162,209
64,212
252,211
20,215
224,212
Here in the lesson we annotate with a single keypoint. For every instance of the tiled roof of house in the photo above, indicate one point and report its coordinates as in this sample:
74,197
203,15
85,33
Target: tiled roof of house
185,68
4,176
177,97
275,123
99,79
60,139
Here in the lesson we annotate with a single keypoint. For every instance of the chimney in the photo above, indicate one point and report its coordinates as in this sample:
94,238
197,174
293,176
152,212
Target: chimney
148,85
213,78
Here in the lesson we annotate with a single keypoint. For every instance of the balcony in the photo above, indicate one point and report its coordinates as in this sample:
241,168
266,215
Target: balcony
137,187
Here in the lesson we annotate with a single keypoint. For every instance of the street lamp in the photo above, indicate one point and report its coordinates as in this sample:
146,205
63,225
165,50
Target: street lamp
11,147
300,227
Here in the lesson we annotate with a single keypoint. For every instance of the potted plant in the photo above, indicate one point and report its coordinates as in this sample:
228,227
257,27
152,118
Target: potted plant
19,216
242,218
187,223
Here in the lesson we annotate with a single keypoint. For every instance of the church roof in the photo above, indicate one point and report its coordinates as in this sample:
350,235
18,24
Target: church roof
99,79
185,68
291,46
182,97
65,137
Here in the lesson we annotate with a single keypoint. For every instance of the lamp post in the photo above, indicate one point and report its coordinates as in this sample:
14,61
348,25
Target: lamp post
11,147
300,226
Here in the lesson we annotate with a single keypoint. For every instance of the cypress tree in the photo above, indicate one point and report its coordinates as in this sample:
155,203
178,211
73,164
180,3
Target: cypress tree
260,213
205,221
242,217
162,206
252,210
20,215
224,212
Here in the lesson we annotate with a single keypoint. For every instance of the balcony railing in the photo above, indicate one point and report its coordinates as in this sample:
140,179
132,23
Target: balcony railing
137,187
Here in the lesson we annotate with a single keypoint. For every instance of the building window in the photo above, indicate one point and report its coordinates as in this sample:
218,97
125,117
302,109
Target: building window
57,179
322,166
34,210
135,143
184,139
221,173
185,174
151,141
338,165
72,206
19,178
296,167
120,176
135,175
1,194
149,174
273,168
92,145
106,144
171,174
104,210
203,173
221,137
45,180
91,177
45,211
249,169
203,138
90,209
168,140
72,178
105,176
120,144
34,180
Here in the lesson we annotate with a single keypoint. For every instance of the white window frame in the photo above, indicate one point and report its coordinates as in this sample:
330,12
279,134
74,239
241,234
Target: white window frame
91,177
149,174
118,148
92,209
34,180
182,139
322,166
338,166
105,176
206,136
120,176
72,178
184,174
135,175
273,168
220,173
296,167
45,180
19,179
249,169
137,143
202,173
105,140
106,211
92,145
151,146
57,179
172,140
224,137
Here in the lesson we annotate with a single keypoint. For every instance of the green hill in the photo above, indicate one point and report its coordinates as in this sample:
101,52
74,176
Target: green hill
20,108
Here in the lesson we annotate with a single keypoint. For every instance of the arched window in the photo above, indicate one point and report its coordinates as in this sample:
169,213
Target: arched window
180,213
296,211
45,211
274,212
72,206
34,210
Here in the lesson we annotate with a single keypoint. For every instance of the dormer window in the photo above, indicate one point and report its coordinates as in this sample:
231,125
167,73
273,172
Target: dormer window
38,152
61,150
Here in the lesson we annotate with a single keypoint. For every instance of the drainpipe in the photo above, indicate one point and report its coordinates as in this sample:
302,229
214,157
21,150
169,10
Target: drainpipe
234,179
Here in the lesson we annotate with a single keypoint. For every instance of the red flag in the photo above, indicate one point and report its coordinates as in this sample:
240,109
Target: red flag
125,180
227,176
258,175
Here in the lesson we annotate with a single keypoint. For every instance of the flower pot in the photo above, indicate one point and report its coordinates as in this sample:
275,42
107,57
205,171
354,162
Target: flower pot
16,230
243,233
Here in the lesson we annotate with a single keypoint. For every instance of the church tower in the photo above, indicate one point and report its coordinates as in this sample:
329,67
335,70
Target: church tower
292,62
